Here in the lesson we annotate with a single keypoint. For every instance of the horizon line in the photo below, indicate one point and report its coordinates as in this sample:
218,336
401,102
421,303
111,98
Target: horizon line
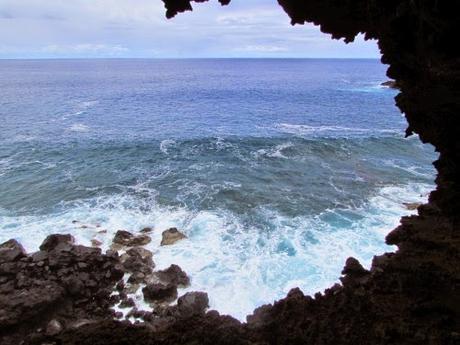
190,58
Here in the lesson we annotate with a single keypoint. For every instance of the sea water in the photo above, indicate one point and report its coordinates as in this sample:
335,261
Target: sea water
276,170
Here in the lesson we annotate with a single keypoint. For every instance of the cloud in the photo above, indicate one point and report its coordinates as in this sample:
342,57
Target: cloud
78,49
136,28
263,49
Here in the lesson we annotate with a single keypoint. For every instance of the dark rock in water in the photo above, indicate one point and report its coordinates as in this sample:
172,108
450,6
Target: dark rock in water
159,293
146,230
193,303
123,237
58,240
10,251
391,84
171,236
173,275
127,239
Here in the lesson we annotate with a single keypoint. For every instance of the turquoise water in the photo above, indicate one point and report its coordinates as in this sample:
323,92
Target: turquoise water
276,170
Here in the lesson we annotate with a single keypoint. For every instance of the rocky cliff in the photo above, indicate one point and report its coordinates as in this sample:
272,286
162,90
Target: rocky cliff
408,297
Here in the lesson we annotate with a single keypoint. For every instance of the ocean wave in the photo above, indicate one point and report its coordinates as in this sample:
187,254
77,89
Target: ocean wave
241,264
79,127
301,130
166,144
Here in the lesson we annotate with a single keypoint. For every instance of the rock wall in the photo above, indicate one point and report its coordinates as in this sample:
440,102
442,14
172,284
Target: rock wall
408,297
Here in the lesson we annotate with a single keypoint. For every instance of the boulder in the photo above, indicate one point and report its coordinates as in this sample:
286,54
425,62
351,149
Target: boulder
11,250
171,236
173,275
57,241
193,303
125,238
159,292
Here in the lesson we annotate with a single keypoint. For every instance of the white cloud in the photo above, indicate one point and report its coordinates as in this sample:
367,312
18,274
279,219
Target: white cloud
93,49
138,28
262,49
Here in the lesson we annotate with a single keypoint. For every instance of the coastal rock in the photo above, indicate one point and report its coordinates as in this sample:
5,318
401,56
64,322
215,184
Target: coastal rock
391,84
159,293
174,275
10,251
146,230
171,236
125,238
193,303
57,241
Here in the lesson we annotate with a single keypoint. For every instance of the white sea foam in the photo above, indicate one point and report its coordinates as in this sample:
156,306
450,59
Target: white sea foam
79,127
275,152
239,266
298,129
166,144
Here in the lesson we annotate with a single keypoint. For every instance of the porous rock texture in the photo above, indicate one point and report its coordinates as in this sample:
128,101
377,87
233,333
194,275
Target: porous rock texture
411,296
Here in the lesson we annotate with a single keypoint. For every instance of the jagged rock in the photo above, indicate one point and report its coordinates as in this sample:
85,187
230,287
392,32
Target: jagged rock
57,240
127,239
173,275
193,303
391,84
171,236
11,250
159,293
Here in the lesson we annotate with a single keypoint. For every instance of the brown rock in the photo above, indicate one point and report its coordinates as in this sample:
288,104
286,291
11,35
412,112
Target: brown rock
159,293
173,275
11,250
127,239
57,240
171,236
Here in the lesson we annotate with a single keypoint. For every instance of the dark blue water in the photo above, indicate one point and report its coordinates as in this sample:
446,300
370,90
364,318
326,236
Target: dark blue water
277,170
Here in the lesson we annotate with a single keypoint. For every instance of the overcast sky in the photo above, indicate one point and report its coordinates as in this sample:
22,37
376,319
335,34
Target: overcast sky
138,28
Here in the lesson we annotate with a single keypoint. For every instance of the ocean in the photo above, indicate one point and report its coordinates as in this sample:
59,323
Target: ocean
277,170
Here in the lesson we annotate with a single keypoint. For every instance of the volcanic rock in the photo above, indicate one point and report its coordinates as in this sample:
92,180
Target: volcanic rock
171,236
127,239
193,303
10,251
173,275
159,293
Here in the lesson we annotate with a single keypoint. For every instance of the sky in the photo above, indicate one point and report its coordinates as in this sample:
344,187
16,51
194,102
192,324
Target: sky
139,29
